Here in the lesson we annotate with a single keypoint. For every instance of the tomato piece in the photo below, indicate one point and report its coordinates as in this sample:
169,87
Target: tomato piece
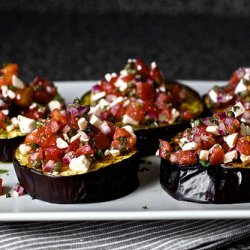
121,132
118,111
52,127
164,116
85,150
24,97
36,155
183,157
243,145
234,79
73,146
101,141
71,121
7,73
124,143
162,100
164,149
57,116
53,153
142,68
187,115
33,113
233,126
145,91
32,137
136,111
3,120
156,75
11,68
217,156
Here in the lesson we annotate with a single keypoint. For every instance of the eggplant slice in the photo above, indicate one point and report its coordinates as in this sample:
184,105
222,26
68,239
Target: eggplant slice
148,135
213,184
106,182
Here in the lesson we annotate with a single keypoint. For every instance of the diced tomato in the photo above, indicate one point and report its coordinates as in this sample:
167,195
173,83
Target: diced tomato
165,115
52,127
232,127
118,111
156,75
7,73
243,145
142,68
145,91
32,137
204,140
187,115
101,141
24,97
234,79
112,128
85,150
164,149
11,68
184,157
72,121
73,146
57,116
217,156
33,114
108,87
124,143
176,91
136,111
121,132
36,155
226,147
53,153
162,100
3,119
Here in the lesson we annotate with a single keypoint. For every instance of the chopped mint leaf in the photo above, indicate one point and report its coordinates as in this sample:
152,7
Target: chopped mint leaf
204,163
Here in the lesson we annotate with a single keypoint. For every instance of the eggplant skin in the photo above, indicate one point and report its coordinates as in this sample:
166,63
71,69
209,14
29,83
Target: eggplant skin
109,183
8,146
148,135
214,184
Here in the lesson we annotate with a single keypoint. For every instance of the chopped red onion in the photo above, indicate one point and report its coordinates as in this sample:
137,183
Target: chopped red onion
74,112
68,157
96,88
19,189
49,166
66,129
246,115
222,115
207,121
228,121
152,115
82,110
222,128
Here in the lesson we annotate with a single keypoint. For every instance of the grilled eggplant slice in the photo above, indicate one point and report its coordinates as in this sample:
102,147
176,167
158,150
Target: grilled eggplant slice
148,135
8,143
107,180
215,184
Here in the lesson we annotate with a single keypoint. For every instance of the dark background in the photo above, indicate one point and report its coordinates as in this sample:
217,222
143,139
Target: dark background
76,40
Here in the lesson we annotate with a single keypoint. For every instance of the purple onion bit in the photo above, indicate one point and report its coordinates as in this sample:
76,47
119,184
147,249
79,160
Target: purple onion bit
96,88
19,189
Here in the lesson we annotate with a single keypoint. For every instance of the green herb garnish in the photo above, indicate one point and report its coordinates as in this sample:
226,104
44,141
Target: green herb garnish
123,141
204,163
100,153
11,87
8,195
57,166
3,171
36,164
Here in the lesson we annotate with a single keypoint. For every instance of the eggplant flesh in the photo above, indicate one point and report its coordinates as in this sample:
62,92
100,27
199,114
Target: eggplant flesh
107,183
214,184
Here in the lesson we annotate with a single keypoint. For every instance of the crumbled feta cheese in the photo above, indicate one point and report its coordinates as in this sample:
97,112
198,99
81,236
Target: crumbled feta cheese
204,155
183,141
108,77
174,115
107,152
82,123
123,72
33,105
162,88
10,127
238,109
15,122
153,65
83,136
213,130
17,82
157,153
126,103
95,121
231,139
5,111
26,125
129,120
241,87
75,137
11,94
103,104
54,104
230,156
247,75
121,84
244,129
116,101
24,149
97,96
66,137
190,146
4,91
114,152
245,158
130,130
60,143
213,95
80,163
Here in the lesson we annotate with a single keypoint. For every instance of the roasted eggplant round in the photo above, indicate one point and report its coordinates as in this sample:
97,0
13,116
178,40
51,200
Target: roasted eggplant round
215,184
109,180
148,135
209,162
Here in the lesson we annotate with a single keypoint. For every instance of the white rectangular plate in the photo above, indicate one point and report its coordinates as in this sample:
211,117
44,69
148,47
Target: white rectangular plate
148,202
